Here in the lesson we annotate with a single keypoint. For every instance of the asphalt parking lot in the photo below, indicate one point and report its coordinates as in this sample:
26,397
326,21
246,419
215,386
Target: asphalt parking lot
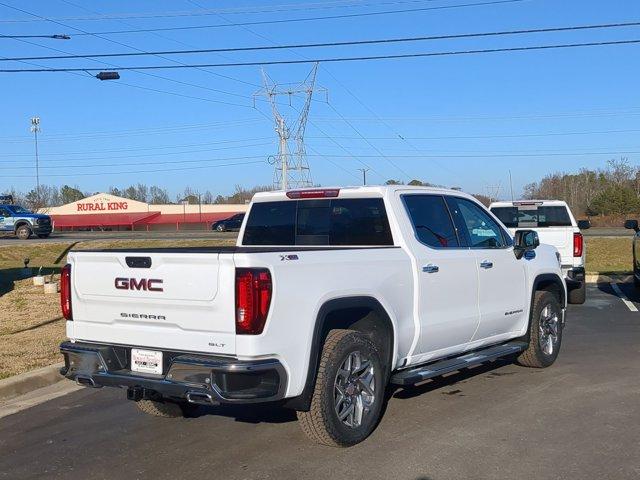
576,420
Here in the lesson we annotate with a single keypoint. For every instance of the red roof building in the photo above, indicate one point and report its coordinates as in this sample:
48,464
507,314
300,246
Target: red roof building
108,212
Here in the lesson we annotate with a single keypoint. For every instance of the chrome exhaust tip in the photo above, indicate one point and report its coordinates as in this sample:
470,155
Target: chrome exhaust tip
86,381
201,398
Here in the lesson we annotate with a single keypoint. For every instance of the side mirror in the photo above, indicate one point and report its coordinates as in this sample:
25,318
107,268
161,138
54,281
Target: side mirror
584,224
631,225
524,241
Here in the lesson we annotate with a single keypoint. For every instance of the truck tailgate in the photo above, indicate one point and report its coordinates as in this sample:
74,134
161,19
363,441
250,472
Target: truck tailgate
169,300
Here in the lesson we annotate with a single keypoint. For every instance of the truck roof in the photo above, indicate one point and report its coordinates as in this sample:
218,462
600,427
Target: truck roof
353,192
557,203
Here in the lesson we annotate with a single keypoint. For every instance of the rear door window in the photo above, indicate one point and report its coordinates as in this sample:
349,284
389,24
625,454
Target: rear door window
533,216
332,222
431,220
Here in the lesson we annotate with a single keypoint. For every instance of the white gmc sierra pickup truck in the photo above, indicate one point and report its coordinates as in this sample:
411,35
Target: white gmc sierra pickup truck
329,296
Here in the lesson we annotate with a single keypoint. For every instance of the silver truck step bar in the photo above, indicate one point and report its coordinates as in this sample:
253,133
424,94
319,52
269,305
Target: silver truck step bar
418,374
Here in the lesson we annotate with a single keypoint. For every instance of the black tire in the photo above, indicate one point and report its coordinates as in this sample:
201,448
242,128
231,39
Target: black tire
636,282
165,409
23,232
43,235
535,356
221,228
577,296
321,423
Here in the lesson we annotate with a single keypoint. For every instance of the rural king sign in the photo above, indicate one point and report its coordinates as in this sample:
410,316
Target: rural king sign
99,206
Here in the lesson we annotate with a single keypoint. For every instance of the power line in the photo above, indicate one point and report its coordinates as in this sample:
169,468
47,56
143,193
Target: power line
492,155
131,133
137,149
138,171
330,44
177,41
477,137
168,162
198,14
115,66
391,162
337,59
158,154
290,7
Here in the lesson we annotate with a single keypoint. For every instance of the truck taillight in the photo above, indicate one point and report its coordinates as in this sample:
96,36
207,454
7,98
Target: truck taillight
578,244
253,297
65,292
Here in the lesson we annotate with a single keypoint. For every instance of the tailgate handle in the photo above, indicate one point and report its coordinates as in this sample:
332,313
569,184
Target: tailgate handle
138,262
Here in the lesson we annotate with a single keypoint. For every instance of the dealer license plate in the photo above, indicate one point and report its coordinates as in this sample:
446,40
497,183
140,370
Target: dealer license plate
146,361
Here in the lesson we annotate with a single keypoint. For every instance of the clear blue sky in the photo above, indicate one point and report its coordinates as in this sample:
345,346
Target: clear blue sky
475,107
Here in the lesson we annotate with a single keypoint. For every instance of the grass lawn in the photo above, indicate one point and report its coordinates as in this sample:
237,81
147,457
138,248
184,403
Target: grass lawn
31,327
608,254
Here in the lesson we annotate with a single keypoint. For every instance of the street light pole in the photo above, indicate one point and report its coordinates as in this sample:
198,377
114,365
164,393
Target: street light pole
35,128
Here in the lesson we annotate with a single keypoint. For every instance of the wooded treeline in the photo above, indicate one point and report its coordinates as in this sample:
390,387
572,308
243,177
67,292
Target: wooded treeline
613,190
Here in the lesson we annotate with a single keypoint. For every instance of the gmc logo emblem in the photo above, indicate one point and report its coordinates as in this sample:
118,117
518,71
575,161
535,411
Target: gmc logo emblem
146,284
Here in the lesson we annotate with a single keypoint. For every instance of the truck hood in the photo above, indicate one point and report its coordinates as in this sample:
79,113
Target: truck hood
32,215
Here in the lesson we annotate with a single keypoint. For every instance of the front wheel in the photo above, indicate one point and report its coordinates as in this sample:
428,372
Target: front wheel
545,331
23,232
349,391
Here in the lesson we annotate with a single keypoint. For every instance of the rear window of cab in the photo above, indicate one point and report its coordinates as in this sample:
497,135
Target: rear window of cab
533,216
330,222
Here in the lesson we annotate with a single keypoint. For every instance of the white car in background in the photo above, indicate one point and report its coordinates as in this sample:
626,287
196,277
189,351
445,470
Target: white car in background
556,226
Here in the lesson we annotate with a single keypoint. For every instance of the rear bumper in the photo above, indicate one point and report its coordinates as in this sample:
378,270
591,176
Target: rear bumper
196,378
575,277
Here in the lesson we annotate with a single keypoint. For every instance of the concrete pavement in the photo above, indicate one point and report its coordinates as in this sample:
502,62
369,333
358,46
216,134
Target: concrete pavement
576,420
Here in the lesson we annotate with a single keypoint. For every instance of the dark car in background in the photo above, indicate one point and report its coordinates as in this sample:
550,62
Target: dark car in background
229,224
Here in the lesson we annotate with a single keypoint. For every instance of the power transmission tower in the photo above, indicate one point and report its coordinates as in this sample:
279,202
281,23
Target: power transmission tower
291,170
493,191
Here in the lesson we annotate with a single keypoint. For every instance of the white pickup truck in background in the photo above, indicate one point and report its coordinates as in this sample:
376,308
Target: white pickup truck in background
556,226
329,296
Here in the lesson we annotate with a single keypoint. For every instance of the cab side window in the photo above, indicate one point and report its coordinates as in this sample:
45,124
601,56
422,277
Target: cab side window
431,220
481,230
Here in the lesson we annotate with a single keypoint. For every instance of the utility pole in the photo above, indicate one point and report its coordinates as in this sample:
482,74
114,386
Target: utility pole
35,128
511,185
364,175
291,170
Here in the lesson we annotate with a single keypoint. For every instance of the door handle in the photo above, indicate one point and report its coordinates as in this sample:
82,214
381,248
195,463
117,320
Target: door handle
431,268
486,264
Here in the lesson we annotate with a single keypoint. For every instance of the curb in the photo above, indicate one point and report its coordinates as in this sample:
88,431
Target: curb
26,382
602,278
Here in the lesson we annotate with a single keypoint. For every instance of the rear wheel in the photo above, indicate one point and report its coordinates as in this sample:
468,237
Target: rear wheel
221,228
23,232
349,391
577,296
545,331
165,409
